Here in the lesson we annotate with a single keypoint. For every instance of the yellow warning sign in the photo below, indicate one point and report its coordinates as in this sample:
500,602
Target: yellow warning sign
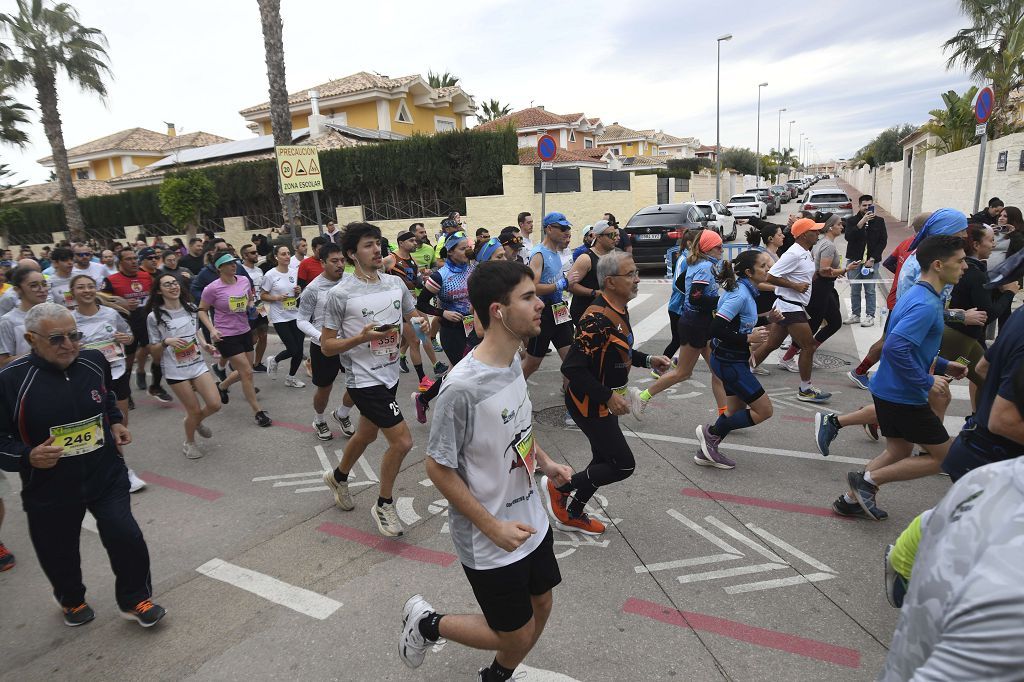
298,168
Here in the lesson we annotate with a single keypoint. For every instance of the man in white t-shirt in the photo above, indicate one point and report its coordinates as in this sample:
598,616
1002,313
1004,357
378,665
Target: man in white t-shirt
481,457
525,222
792,275
363,318
260,323
84,265
60,281
300,253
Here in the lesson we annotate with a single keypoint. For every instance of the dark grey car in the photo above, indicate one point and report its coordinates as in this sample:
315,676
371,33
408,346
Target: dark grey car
652,230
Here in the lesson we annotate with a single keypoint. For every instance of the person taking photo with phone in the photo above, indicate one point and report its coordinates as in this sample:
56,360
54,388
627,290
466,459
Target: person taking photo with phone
866,237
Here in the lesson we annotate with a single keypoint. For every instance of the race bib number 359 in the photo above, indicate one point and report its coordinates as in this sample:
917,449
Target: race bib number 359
80,437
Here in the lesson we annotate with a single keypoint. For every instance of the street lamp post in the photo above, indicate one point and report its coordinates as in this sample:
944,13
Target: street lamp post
757,179
799,149
718,100
789,145
779,148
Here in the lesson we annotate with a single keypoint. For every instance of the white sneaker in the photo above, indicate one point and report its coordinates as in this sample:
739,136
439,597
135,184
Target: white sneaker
636,404
204,431
191,451
292,382
272,367
412,646
868,322
790,365
342,497
323,431
345,423
761,370
135,484
387,519
852,319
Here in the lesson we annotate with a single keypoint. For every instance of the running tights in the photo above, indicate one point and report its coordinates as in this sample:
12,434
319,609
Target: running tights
612,459
673,345
292,339
827,310
453,341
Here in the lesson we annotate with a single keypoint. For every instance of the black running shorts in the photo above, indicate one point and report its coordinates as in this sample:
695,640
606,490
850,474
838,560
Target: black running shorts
230,346
560,334
378,404
504,593
325,369
913,423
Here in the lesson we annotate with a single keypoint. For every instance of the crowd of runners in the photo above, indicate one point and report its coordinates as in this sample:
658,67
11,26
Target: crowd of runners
474,318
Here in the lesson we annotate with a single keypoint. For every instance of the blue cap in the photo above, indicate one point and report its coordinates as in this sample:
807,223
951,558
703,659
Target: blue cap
224,260
454,240
487,250
555,218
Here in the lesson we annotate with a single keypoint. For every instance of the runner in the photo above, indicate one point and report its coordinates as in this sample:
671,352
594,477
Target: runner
258,321
556,324
597,367
448,285
584,290
512,245
148,260
172,321
675,299
68,468
481,458
525,222
697,280
84,264
310,322
230,297
300,254
900,386
732,335
60,281
30,286
280,291
792,275
105,330
311,266
403,265
362,319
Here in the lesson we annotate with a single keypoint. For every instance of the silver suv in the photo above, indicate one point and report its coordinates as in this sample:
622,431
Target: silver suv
827,200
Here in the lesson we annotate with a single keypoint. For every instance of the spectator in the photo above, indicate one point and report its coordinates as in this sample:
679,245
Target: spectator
989,215
193,261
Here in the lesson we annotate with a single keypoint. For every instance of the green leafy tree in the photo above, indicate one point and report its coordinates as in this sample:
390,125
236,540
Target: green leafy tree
442,80
885,147
992,49
48,40
740,159
954,125
184,197
492,110
12,116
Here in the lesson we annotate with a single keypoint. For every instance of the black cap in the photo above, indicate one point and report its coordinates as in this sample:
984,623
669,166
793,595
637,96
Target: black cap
510,239
146,252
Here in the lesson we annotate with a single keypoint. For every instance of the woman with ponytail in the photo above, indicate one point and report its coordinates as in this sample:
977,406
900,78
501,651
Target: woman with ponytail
732,334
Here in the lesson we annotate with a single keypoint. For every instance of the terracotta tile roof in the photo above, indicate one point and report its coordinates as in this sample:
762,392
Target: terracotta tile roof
140,140
357,82
528,156
705,148
525,118
50,191
617,133
664,139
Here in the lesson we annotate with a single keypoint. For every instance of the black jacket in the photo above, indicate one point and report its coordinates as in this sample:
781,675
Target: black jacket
35,396
865,242
970,292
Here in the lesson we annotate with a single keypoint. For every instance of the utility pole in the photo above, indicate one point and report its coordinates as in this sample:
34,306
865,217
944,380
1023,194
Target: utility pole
757,179
718,132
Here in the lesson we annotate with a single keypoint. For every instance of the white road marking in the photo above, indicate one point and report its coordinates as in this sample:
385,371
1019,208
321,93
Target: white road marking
426,483
736,535
324,462
539,675
747,448
788,548
305,481
699,530
298,475
408,515
319,488
648,328
683,563
960,391
778,582
691,394
367,469
88,522
295,598
729,572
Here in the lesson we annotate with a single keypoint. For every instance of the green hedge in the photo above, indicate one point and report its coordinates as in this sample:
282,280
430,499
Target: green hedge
134,207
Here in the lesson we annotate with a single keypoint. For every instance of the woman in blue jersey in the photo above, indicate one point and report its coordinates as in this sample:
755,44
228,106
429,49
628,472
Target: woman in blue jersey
677,269
700,296
448,285
733,331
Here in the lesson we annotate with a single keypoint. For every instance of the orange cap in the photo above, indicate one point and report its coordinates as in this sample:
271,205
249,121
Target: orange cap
805,225
709,239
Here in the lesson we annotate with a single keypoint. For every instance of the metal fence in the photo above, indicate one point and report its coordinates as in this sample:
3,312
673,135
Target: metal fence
408,210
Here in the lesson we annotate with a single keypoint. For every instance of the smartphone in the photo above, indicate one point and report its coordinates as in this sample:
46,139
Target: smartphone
385,327
871,209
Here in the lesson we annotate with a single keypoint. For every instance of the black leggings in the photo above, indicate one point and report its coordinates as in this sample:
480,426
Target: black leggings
612,459
453,341
824,307
673,345
292,338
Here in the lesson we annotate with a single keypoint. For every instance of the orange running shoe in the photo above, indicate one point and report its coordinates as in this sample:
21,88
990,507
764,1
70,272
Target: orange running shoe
557,501
583,523
425,384
7,561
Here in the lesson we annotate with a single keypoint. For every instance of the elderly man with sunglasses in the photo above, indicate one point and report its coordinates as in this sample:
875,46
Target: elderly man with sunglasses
61,430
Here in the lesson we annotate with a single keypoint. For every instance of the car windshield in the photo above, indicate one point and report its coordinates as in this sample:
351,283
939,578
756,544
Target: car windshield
743,199
708,211
655,219
829,198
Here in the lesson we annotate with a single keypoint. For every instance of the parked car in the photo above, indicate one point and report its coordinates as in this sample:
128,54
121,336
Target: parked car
782,192
719,218
653,229
796,187
827,200
769,199
747,206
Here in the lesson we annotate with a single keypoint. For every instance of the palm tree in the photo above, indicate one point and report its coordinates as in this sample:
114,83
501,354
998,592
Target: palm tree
51,40
493,109
280,114
443,80
992,49
954,125
12,115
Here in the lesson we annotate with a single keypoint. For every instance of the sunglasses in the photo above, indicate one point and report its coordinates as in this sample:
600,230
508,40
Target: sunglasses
87,254
563,228
57,339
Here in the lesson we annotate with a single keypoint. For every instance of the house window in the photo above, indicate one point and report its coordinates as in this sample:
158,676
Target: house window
617,151
572,136
611,180
442,124
82,174
588,143
403,115
559,180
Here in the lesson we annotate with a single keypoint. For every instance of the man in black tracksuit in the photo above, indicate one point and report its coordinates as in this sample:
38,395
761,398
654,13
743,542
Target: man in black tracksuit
866,237
60,429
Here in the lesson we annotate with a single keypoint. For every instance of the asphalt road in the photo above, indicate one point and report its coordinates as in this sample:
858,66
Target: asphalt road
703,574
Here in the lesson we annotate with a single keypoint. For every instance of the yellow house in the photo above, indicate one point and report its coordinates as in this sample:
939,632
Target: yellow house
128,150
628,142
403,105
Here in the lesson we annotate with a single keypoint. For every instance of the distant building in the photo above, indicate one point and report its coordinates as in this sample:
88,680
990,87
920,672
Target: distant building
676,147
573,132
625,141
706,152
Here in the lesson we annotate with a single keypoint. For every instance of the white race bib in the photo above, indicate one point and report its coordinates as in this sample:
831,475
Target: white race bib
79,438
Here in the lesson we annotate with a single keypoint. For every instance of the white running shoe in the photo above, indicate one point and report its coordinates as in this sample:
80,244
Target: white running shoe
323,431
636,404
135,484
272,367
292,382
412,645
761,370
191,451
852,319
342,497
345,423
387,519
790,365
204,431
868,322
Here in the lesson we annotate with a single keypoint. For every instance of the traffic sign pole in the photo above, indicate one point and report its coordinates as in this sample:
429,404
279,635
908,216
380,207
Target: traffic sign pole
547,149
316,208
983,103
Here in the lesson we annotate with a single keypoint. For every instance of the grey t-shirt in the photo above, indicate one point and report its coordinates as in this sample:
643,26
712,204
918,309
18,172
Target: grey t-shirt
351,305
482,425
9,301
825,255
963,616
311,306
12,333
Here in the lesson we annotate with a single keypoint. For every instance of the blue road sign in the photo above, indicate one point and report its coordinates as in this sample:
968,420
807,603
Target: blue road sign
547,148
983,105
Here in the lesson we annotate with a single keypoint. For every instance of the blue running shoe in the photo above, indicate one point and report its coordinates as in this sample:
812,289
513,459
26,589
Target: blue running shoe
826,429
813,395
859,380
864,493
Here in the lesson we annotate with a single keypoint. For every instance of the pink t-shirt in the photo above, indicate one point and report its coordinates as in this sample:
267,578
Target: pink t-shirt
230,303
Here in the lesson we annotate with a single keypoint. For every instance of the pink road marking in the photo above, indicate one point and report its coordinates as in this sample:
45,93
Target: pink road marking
302,428
796,418
181,486
767,504
382,544
772,639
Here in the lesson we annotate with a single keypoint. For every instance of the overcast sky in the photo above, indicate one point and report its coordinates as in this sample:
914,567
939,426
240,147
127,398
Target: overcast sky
843,70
